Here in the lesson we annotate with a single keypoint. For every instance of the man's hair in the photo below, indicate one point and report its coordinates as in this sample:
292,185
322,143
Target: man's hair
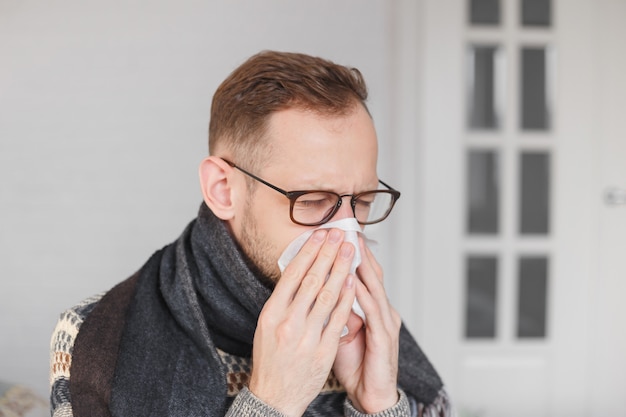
273,81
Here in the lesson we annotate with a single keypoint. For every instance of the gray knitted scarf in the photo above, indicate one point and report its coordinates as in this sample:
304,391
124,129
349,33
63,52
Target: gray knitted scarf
194,296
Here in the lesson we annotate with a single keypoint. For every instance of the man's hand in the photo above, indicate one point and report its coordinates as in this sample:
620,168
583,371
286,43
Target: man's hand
294,348
367,359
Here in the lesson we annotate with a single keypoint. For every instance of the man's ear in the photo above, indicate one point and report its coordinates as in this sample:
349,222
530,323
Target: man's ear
217,187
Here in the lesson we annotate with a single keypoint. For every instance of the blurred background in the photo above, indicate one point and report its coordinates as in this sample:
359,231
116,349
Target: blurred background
501,121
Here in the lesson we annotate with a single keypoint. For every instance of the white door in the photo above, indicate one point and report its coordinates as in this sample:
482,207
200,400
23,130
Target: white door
519,252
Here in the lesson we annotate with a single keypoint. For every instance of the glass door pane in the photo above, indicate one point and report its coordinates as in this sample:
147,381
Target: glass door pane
534,89
536,13
534,193
480,301
484,12
483,192
532,297
484,87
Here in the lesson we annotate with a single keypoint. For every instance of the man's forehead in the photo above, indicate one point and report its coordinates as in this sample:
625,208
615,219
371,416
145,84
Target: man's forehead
305,128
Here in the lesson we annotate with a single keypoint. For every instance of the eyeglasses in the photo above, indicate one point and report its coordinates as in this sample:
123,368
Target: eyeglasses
316,207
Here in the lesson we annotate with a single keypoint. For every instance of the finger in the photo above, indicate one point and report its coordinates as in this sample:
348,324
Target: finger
369,255
368,303
318,273
341,313
371,273
293,274
326,299
381,316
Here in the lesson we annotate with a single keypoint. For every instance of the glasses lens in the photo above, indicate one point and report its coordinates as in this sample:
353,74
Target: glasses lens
318,207
312,208
373,206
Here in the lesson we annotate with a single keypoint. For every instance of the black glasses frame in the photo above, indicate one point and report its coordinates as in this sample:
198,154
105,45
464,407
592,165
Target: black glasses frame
294,195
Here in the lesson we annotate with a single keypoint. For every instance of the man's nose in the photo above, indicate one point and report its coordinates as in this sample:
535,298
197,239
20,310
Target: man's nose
345,210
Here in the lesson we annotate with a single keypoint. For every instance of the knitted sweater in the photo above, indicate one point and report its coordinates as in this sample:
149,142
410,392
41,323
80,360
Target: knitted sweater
244,402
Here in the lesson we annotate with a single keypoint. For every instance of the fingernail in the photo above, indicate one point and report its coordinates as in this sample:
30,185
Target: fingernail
335,235
319,235
350,281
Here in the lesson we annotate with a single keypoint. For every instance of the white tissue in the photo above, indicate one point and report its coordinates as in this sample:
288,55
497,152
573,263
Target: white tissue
351,230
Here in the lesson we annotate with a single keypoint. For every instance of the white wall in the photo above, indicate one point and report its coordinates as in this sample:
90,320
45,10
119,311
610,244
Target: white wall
103,120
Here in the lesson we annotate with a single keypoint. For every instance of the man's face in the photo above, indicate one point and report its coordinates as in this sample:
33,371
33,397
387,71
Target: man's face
311,152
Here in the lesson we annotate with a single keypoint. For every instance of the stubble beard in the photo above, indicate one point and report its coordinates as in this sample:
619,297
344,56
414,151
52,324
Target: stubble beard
258,249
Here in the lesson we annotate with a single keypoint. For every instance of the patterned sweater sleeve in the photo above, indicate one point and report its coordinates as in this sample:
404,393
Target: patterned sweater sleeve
401,409
61,347
246,404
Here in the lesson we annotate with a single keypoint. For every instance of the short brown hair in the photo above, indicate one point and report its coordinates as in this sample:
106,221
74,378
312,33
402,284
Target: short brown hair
271,81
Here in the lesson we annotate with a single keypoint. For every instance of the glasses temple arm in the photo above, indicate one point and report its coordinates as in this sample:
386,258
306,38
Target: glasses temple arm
261,180
386,185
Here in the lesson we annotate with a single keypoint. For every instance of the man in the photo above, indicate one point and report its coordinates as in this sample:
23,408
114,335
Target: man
210,325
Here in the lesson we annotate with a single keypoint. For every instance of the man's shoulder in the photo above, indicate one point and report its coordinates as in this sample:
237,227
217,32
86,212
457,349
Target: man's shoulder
69,323
74,316
71,320
90,328
61,350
